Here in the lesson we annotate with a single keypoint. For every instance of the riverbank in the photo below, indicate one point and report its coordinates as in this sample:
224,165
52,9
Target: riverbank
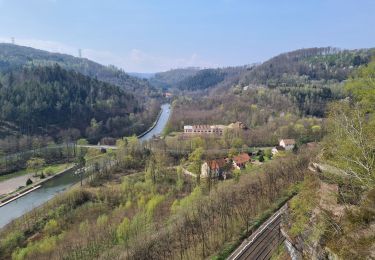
24,191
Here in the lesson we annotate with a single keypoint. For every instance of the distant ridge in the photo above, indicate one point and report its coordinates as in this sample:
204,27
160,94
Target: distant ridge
12,56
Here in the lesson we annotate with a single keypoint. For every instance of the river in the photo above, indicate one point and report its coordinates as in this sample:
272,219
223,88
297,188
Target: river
63,182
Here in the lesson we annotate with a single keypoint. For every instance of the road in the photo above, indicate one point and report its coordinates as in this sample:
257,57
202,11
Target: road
262,243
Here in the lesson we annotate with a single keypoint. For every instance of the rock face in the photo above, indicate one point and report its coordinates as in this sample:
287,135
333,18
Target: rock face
305,246
319,225
304,221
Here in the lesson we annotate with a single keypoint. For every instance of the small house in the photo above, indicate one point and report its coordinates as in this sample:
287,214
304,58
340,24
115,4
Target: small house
214,168
288,144
239,161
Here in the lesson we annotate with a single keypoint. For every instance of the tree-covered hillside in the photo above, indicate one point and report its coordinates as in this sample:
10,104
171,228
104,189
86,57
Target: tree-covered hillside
169,79
13,56
310,77
315,67
307,66
48,99
195,79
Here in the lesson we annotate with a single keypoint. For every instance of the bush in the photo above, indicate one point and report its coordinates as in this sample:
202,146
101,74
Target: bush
122,232
52,227
12,241
48,171
29,182
102,220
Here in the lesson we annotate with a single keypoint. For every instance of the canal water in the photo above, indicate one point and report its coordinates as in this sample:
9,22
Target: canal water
63,182
162,122
36,198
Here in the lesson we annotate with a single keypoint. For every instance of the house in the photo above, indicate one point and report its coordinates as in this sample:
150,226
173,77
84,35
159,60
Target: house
204,129
288,144
277,149
239,161
214,168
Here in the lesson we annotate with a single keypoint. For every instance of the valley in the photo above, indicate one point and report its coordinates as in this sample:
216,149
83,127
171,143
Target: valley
191,163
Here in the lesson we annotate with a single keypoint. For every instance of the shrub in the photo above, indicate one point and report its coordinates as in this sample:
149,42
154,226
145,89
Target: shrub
52,227
12,241
102,220
122,231
29,182
48,171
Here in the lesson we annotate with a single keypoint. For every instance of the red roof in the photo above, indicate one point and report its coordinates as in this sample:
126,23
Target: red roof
241,158
216,164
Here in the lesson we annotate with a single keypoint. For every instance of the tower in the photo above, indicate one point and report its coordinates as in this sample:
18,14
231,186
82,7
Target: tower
80,53
13,40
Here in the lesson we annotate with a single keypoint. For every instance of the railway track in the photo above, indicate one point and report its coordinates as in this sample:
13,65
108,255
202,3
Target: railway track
262,243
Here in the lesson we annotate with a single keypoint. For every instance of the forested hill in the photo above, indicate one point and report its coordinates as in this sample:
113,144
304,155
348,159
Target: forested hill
195,79
13,56
307,66
313,66
310,78
171,78
50,99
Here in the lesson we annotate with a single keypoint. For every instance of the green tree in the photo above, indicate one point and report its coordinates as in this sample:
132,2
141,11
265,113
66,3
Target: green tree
150,170
81,162
268,153
180,180
236,174
316,130
52,227
102,220
123,230
349,146
82,141
195,159
35,164
362,86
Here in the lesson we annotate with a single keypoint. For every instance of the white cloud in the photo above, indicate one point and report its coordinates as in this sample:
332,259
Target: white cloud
134,60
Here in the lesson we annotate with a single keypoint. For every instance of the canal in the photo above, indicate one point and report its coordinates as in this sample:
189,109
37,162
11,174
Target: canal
63,182
159,127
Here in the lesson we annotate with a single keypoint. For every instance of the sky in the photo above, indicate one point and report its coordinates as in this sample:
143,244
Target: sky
158,35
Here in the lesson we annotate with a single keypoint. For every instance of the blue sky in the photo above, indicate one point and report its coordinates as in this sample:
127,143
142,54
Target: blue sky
156,35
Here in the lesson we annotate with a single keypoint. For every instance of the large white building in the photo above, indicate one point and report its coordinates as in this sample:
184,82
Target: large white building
212,129
204,129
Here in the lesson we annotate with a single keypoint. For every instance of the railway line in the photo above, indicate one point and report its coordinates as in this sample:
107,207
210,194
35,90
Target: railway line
262,243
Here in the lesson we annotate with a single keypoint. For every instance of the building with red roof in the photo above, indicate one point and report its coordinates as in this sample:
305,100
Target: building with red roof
239,161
